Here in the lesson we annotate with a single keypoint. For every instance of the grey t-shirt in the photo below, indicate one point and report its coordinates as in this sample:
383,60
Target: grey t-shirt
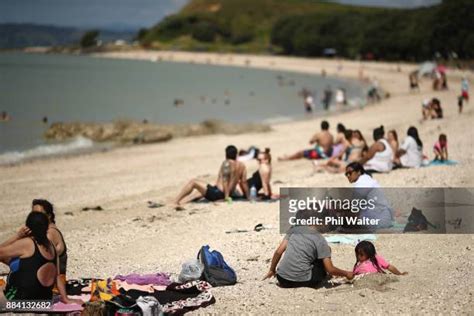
305,246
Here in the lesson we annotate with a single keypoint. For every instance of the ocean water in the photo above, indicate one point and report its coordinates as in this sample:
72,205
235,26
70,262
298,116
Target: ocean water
80,88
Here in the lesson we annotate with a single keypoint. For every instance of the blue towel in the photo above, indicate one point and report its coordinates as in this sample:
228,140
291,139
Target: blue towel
349,239
442,163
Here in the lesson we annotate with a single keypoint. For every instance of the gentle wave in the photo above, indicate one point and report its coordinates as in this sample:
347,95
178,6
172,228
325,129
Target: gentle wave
76,145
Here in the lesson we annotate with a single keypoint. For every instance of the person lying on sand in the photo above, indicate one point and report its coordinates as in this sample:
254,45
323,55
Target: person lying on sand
323,142
368,261
379,156
231,174
33,262
306,255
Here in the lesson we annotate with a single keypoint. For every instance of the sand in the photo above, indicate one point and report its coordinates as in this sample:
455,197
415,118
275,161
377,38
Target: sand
129,237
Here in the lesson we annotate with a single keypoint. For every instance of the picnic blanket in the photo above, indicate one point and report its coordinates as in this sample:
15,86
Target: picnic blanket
349,239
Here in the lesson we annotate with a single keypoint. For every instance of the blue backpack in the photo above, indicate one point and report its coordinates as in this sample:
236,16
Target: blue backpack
216,271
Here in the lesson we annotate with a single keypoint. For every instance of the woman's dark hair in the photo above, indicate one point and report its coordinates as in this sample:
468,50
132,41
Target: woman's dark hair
368,249
231,152
47,207
348,134
443,138
379,132
355,166
38,223
267,154
413,132
340,128
394,132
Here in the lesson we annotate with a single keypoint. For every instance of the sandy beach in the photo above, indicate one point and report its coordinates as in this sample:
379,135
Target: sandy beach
127,236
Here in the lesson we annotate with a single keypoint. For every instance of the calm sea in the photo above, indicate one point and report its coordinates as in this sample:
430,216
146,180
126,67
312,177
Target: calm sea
80,88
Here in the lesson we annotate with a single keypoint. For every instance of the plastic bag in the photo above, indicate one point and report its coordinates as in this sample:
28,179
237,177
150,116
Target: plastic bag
191,271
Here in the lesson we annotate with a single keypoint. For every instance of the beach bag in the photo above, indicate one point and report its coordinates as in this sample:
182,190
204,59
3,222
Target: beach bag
216,271
191,271
417,222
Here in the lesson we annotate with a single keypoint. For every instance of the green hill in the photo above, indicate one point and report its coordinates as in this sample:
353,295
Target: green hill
307,27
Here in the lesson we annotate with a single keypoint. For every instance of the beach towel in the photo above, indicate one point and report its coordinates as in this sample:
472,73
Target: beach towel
179,299
442,163
145,279
349,239
61,307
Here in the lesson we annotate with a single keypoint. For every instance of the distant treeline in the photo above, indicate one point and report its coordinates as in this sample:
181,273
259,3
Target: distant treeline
390,34
20,35
307,28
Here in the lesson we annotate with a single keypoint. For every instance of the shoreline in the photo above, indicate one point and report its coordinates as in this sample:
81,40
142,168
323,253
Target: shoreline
128,237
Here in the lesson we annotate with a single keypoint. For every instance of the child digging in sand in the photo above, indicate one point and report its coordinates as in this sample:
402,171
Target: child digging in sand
368,261
440,149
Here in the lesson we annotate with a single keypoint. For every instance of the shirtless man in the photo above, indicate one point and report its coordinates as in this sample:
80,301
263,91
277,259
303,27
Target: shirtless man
323,142
231,174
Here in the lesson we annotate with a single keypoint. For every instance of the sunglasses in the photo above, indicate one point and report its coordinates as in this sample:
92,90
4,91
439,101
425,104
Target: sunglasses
349,173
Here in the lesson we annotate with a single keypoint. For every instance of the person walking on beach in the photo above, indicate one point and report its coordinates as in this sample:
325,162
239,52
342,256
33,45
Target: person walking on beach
465,89
231,174
323,145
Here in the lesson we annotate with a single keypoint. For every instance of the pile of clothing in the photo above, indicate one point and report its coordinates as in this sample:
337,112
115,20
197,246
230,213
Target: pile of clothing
134,294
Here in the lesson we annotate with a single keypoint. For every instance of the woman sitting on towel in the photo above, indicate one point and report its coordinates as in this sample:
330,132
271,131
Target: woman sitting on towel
33,263
261,178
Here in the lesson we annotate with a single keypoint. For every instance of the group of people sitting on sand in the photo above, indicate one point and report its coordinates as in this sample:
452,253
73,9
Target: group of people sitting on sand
232,181
333,154
37,258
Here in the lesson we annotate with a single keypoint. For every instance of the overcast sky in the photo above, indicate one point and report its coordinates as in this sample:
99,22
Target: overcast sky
121,13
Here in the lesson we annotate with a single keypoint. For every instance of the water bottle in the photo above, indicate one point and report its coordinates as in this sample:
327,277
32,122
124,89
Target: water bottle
253,194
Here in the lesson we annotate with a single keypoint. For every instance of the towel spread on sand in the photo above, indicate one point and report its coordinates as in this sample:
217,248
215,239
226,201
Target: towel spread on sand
60,307
349,239
145,279
442,163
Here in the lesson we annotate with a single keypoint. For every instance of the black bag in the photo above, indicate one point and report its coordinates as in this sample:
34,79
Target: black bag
216,271
417,222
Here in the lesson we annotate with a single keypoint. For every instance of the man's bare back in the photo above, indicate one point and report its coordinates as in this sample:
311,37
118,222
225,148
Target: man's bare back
323,139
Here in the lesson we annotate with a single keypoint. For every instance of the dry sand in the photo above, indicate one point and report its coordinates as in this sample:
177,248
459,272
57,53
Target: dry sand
129,237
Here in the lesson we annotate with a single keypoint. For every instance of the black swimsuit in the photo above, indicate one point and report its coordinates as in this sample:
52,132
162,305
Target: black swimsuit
23,284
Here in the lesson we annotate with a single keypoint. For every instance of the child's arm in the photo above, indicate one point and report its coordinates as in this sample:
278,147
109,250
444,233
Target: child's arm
276,258
395,271
332,270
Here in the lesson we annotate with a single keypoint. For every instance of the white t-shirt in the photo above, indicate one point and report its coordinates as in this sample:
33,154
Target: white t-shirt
382,161
413,156
366,181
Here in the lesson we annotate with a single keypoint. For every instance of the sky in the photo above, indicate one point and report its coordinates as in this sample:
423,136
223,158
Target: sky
121,14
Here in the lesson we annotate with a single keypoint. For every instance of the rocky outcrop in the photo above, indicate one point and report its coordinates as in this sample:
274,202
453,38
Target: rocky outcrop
143,133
